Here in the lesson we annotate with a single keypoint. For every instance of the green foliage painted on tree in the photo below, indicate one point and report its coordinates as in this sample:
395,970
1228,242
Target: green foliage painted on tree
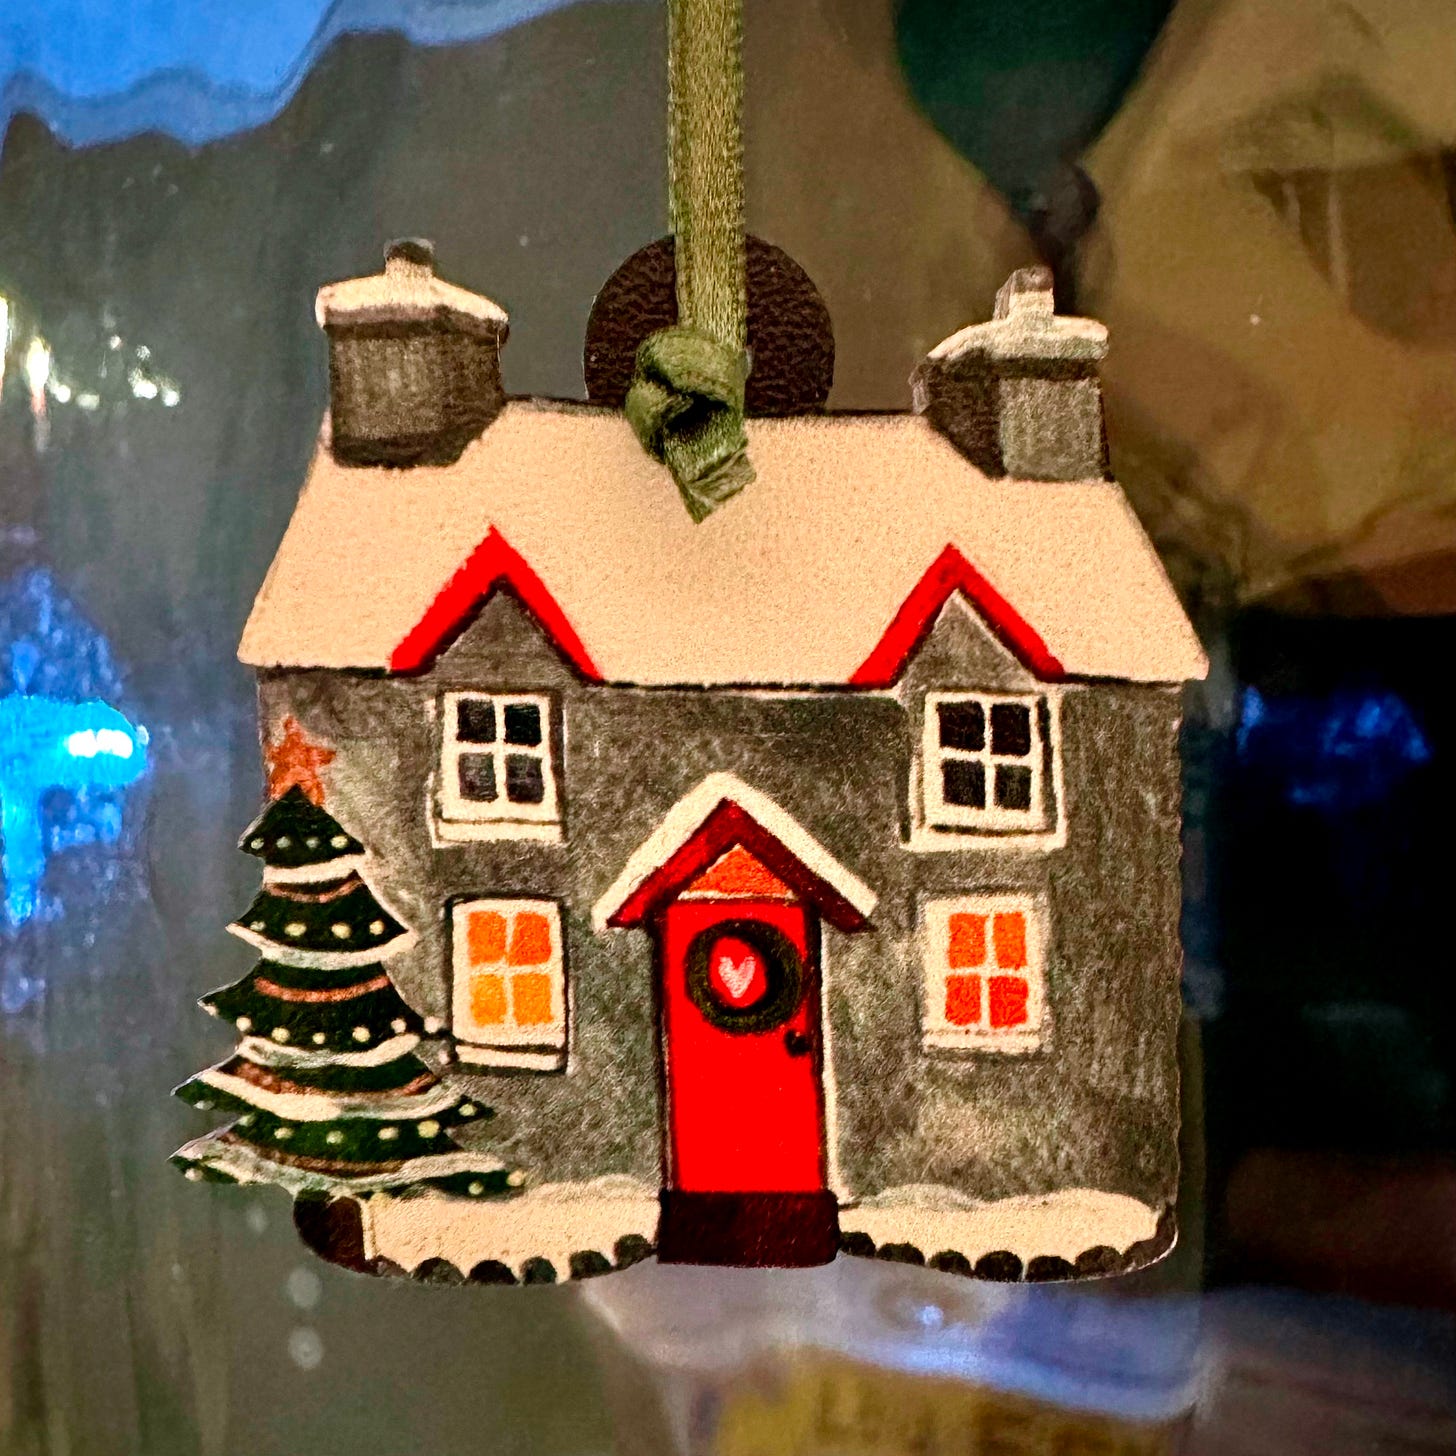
326,1091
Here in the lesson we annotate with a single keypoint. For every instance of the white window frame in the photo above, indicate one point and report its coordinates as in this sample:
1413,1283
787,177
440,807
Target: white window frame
538,1048
460,818
943,818
939,1034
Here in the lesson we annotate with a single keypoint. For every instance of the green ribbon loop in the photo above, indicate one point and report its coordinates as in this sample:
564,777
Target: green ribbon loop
686,405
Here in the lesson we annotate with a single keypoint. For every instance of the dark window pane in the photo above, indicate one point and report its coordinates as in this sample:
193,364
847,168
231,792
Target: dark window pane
477,777
523,724
475,721
962,725
1013,786
964,782
524,781
1011,729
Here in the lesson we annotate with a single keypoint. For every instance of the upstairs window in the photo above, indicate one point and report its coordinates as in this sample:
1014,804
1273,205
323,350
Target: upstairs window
508,999
496,770
985,762
984,973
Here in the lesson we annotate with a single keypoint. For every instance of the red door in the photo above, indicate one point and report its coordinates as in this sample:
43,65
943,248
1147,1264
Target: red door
733,899
741,1047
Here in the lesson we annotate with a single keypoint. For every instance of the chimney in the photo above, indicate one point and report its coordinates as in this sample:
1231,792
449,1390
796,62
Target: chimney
1019,396
414,363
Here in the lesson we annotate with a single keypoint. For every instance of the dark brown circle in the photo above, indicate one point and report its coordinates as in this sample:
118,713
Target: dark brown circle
790,337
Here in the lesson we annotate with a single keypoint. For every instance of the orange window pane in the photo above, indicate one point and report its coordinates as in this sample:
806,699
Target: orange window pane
531,998
488,1000
530,939
963,1000
967,941
486,937
1008,996
1009,933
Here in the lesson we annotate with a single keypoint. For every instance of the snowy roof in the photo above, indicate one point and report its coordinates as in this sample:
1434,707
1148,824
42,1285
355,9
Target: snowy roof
797,580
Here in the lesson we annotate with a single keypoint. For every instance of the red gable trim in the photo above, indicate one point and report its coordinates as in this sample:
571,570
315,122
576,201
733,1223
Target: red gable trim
491,565
950,573
726,826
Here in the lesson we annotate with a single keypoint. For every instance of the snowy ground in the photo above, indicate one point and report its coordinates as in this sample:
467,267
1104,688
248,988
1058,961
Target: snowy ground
559,1220
1062,1224
553,1222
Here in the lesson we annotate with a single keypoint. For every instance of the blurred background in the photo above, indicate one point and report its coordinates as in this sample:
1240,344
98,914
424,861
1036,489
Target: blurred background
1259,200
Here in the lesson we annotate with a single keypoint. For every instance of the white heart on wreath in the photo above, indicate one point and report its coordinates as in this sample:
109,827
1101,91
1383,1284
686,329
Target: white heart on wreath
736,975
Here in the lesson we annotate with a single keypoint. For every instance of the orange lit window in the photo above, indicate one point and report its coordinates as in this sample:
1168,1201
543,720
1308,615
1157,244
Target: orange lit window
984,972
509,999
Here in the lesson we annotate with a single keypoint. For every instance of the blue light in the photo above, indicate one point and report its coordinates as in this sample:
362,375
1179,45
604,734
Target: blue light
57,734
39,740
1344,751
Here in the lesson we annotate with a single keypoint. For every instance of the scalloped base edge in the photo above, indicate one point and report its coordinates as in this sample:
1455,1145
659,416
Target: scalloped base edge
575,1233
382,1237
1004,1267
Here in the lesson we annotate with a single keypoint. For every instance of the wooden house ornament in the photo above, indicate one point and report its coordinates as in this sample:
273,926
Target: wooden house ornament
801,881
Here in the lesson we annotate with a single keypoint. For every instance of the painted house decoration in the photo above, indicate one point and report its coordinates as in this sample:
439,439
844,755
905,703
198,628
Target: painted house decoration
801,881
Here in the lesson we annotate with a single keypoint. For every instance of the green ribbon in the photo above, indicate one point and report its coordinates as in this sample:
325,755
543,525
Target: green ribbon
686,399
686,405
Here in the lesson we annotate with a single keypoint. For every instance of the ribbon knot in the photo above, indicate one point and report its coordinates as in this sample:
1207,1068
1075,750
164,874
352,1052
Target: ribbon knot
686,405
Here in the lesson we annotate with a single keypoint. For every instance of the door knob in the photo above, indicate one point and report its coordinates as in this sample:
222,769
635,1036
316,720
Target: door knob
797,1044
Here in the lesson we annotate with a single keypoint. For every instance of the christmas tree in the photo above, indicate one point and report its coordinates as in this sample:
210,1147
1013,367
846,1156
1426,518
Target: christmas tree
329,1094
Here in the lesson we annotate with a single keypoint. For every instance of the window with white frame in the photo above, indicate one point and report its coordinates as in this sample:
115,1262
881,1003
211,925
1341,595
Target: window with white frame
496,772
508,991
984,762
985,972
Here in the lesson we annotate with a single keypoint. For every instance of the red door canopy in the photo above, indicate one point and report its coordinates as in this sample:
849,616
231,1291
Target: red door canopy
722,814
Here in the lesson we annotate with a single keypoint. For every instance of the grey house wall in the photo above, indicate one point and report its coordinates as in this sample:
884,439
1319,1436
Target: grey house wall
1095,1106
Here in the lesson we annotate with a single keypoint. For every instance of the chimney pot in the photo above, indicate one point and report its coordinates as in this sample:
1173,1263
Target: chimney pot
414,362
1026,291
1019,396
410,257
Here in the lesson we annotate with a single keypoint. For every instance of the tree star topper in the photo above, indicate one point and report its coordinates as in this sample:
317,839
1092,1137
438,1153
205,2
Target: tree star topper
295,759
